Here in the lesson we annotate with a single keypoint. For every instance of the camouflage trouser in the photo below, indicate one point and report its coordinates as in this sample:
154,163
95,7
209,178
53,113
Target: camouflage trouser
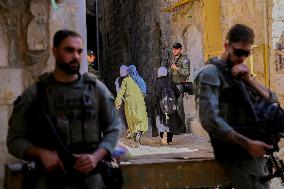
246,174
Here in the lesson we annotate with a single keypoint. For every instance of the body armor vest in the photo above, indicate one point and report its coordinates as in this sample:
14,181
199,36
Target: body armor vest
72,108
233,109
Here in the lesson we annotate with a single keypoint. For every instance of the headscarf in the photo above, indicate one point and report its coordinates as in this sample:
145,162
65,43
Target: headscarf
138,80
123,71
162,71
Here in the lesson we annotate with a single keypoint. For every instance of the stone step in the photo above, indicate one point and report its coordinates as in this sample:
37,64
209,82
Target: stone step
174,170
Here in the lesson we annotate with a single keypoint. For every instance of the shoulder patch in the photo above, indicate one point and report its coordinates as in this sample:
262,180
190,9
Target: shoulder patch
209,75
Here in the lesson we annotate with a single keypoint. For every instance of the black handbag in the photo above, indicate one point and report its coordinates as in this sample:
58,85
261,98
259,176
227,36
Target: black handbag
187,87
111,173
30,175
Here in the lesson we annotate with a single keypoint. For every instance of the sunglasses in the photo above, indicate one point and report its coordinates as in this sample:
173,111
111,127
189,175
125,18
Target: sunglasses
240,52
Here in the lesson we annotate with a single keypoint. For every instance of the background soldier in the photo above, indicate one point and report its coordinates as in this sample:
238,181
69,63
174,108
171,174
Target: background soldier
222,111
179,72
92,65
82,111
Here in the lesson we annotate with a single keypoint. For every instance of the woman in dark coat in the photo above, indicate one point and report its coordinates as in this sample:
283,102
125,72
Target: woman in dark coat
170,124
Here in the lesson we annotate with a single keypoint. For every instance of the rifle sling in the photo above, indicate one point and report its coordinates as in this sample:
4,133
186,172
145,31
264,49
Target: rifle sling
43,105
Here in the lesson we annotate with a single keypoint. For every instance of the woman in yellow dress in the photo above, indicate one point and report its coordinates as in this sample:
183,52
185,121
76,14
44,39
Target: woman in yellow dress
135,109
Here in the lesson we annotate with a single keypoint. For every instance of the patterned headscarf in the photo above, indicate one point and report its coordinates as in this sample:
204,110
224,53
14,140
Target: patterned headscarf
138,80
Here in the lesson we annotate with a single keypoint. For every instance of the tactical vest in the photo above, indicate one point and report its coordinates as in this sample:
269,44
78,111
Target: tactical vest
180,62
72,108
233,109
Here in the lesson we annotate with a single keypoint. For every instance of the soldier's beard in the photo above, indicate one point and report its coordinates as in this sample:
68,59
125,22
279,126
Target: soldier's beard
69,68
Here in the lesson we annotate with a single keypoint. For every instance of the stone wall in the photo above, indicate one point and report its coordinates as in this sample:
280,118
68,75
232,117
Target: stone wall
277,48
254,14
129,34
26,32
20,52
143,33
139,32
266,19
135,31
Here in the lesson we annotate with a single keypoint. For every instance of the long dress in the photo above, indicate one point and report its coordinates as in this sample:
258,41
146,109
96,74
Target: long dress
118,83
174,122
135,109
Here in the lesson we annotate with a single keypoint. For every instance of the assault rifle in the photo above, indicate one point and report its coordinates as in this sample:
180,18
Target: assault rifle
63,151
275,166
47,137
108,167
187,88
269,123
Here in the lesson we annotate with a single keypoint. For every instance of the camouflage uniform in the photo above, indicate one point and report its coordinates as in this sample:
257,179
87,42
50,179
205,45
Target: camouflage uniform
179,76
93,72
221,110
81,111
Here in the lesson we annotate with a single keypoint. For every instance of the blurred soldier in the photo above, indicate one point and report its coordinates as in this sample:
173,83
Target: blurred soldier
82,111
224,114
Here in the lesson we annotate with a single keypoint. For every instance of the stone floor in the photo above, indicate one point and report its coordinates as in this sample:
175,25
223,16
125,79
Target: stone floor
189,144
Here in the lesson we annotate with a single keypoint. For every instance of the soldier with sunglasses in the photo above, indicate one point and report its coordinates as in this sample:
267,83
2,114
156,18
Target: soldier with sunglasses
221,110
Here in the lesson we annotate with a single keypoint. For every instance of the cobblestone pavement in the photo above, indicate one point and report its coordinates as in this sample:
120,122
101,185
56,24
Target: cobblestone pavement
181,143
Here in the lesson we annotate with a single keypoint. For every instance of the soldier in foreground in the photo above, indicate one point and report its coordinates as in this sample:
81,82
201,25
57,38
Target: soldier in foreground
223,113
80,109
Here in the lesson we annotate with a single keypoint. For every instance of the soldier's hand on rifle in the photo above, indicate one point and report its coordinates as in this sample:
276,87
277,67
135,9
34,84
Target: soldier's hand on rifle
85,163
242,71
50,160
174,67
257,148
